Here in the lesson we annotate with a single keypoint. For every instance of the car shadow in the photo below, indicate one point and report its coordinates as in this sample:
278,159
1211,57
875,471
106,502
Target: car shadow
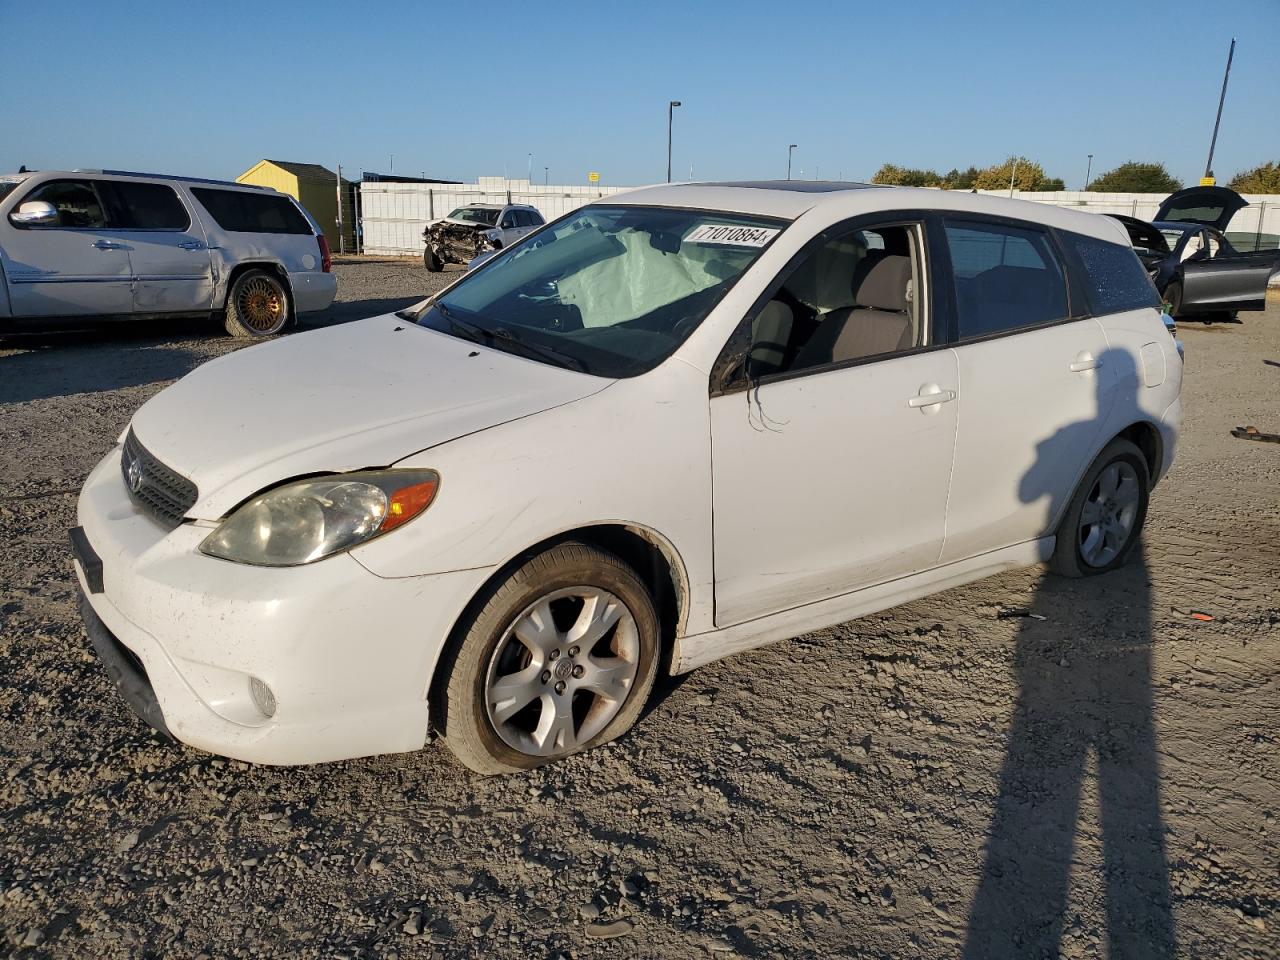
1090,700
64,358
348,310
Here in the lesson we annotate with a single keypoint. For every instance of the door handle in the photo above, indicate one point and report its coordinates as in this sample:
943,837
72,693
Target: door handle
931,395
107,245
191,245
1085,361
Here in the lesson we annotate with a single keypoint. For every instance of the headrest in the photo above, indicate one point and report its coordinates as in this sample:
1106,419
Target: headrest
824,281
885,284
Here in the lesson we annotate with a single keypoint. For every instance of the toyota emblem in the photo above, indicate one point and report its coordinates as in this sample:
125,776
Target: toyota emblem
134,475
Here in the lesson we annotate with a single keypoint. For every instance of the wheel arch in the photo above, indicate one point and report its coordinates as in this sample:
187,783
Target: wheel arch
1144,435
651,555
275,268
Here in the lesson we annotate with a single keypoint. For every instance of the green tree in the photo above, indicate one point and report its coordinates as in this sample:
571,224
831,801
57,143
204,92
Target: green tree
906,176
960,179
1264,178
1135,177
1052,183
1026,175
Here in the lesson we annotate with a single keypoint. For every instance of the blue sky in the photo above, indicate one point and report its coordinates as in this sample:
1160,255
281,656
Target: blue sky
458,90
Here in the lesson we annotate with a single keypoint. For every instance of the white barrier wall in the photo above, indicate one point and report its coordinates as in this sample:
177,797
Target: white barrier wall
395,213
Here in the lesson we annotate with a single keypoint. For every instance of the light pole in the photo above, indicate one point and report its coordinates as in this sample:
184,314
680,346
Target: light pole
529,175
1208,165
671,106
546,176
1088,172
790,147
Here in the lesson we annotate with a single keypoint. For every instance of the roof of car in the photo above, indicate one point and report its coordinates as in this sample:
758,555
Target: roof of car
790,199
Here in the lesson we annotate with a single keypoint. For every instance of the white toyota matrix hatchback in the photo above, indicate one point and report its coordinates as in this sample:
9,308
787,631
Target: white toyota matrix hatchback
678,423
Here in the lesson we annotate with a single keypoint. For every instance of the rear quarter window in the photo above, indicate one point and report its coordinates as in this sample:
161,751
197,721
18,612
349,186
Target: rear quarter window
1114,277
244,212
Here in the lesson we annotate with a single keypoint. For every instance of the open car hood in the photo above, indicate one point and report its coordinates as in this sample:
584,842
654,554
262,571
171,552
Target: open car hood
348,397
1142,235
1207,206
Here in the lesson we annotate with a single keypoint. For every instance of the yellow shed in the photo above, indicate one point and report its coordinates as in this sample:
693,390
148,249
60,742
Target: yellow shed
315,187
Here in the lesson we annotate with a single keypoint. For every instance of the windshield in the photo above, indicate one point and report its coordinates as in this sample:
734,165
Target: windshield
475,215
610,291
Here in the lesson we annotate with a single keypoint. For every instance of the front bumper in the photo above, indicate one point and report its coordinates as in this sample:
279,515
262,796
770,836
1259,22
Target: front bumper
347,654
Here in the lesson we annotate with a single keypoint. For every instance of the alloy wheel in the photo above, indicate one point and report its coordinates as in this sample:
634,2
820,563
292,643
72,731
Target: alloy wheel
1109,515
562,671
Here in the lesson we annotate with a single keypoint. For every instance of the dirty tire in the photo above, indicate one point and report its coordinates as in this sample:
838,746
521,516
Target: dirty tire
481,640
1173,294
431,261
1069,558
257,305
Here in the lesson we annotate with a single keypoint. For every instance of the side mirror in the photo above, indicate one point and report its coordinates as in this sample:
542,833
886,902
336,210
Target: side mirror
35,213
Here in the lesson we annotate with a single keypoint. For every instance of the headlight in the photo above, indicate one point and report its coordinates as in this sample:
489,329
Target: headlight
313,519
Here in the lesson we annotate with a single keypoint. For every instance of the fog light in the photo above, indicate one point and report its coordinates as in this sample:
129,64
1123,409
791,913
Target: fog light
263,698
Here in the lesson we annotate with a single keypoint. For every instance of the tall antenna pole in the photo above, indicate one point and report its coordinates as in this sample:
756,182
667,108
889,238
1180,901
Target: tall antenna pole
1208,167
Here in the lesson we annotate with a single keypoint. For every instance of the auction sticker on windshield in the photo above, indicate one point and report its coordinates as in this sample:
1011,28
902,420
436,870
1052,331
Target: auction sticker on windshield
733,236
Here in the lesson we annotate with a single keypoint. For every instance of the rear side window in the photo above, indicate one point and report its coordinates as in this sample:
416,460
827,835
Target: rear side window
76,202
244,212
1006,278
1114,276
148,206
535,218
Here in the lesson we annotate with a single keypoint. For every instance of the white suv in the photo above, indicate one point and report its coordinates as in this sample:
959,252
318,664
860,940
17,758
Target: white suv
108,243
686,421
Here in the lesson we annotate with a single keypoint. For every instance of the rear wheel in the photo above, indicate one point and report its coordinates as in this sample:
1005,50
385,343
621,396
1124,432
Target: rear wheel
431,261
257,306
560,658
1105,516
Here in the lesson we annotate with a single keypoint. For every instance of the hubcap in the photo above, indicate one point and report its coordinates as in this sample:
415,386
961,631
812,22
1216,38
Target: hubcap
1109,515
562,671
260,304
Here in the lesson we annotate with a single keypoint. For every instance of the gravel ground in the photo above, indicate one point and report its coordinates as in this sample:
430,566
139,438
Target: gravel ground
930,782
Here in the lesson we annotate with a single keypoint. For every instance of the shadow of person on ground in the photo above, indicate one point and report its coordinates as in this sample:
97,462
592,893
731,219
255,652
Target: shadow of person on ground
1090,695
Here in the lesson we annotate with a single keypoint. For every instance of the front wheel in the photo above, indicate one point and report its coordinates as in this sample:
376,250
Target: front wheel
431,261
560,658
257,306
1105,516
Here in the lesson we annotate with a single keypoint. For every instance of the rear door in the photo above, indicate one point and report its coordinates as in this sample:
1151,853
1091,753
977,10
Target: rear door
172,269
1034,385
1224,279
78,266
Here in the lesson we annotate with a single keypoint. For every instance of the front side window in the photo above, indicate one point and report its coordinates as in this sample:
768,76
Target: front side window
240,211
1006,278
1115,278
612,291
856,296
76,201
148,206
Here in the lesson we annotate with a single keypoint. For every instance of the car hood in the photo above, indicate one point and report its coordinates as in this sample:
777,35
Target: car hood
350,397
1208,206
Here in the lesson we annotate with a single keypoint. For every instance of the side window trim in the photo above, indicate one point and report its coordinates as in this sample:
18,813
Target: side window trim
727,371
91,184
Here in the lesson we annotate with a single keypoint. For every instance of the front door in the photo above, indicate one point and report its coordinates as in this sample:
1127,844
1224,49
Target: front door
78,266
831,457
172,267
